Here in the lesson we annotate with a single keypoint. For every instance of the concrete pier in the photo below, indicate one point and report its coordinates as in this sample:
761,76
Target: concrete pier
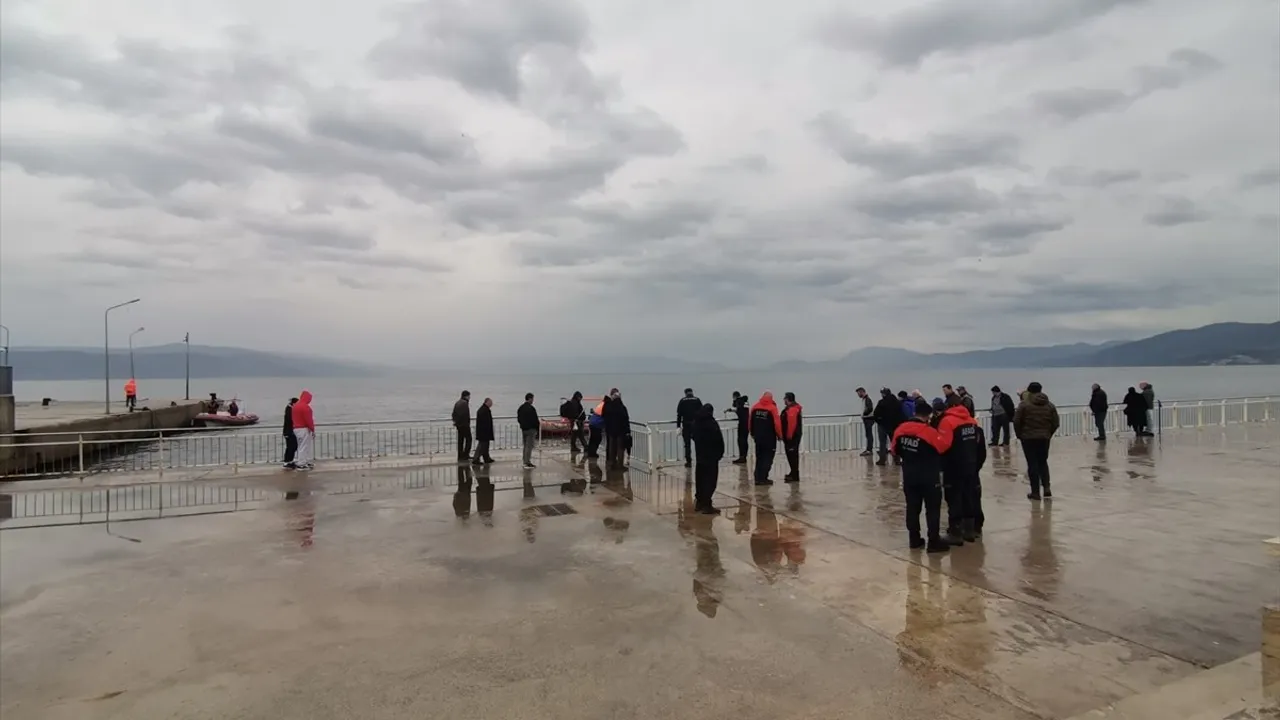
477,593
46,435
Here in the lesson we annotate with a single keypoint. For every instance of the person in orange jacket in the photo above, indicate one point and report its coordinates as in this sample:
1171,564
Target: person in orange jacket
792,429
131,394
765,426
960,466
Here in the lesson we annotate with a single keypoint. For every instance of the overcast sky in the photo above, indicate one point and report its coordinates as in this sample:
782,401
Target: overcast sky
729,180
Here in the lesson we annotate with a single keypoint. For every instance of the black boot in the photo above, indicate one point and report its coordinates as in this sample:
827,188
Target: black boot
953,537
967,530
881,461
916,543
1033,495
937,545
1047,492
740,461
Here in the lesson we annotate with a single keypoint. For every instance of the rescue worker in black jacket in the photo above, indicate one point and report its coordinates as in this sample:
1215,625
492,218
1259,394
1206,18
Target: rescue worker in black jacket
687,411
888,416
960,466
743,414
920,448
765,426
792,429
710,443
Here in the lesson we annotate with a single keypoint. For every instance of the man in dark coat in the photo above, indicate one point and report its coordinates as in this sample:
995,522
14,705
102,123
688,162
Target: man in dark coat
1099,407
571,410
617,427
290,440
484,432
710,444
888,416
687,411
743,415
1035,422
462,423
1002,410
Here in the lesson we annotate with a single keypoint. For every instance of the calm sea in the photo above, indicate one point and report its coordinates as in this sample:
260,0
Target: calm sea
654,397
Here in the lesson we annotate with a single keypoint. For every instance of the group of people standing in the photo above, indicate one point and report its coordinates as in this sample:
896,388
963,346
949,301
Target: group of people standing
299,433
1139,407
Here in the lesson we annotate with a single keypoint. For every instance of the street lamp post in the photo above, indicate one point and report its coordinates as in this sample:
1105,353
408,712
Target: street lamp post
4,346
187,341
132,374
106,351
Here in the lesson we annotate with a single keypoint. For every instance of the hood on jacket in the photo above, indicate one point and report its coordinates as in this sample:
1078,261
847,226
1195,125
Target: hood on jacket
957,411
1037,398
305,397
766,399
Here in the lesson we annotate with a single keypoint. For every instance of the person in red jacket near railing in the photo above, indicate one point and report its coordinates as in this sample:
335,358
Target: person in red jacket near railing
765,426
304,429
920,447
792,429
960,466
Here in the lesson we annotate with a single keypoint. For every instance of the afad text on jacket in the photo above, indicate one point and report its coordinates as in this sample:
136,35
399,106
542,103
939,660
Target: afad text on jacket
968,451
765,424
921,448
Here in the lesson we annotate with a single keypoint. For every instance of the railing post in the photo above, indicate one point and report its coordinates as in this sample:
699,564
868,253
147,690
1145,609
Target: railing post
1266,410
1222,418
162,465
80,445
1177,422
649,450
1200,414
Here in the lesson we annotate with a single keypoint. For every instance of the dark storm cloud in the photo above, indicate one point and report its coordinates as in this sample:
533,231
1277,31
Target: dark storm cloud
1008,236
1075,176
1173,211
1182,66
956,26
935,154
1045,295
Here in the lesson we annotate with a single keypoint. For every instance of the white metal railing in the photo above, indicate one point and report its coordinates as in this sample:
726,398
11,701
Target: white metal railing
655,444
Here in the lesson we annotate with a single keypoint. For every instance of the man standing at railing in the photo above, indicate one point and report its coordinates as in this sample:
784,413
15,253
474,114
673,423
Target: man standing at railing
527,417
484,432
131,394
1098,406
765,426
1149,394
710,441
687,411
462,424
1035,422
290,440
868,420
889,416
792,429
743,414
1002,409
571,410
617,428
304,429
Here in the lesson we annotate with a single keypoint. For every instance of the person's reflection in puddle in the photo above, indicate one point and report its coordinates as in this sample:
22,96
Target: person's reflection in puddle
1099,469
919,641
484,495
971,642
709,574
595,473
766,550
462,495
302,516
791,533
529,516
1041,571
685,512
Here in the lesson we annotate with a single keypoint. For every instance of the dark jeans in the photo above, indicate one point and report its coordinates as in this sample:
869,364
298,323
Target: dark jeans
1100,422
791,449
482,451
999,424
742,442
705,478
764,460
930,498
884,439
869,427
290,446
464,443
686,433
975,503
131,402
1037,454
615,448
593,441
956,491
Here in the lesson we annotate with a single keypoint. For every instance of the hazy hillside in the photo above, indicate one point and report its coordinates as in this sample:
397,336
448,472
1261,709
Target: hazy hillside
169,361
1220,344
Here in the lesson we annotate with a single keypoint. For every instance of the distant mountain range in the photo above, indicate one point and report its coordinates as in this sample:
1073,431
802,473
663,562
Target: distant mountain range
1220,344
169,361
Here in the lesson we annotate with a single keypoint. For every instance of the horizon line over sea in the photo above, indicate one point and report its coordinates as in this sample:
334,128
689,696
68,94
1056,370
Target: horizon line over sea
652,397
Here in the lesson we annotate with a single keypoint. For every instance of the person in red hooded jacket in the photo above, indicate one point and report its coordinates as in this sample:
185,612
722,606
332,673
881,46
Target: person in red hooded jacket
765,426
304,429
960,466
792,429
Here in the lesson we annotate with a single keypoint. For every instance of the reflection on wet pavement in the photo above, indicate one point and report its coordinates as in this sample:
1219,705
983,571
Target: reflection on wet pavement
1143,570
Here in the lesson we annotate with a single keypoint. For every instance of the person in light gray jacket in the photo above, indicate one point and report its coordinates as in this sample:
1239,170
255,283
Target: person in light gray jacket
1149,394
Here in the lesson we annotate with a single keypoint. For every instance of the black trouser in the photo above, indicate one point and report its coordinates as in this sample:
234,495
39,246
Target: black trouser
686,433
975,502
764,460
930,498
1037,454
464,443
706,476
615,448
886,437
999,423
791,448
482,450
131,401
290,446
593,443
955,488
743,435
1100,422
576,438
869,427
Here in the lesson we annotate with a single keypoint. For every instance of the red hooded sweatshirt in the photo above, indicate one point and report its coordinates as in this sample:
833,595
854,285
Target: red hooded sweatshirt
302,415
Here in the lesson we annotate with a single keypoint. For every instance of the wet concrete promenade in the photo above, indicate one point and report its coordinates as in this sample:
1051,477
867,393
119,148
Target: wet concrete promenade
445,592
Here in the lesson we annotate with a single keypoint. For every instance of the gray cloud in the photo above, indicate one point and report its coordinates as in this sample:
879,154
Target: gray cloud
941,26
1183,66
1173,211
939,153
1264,178
1076,176
928,201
